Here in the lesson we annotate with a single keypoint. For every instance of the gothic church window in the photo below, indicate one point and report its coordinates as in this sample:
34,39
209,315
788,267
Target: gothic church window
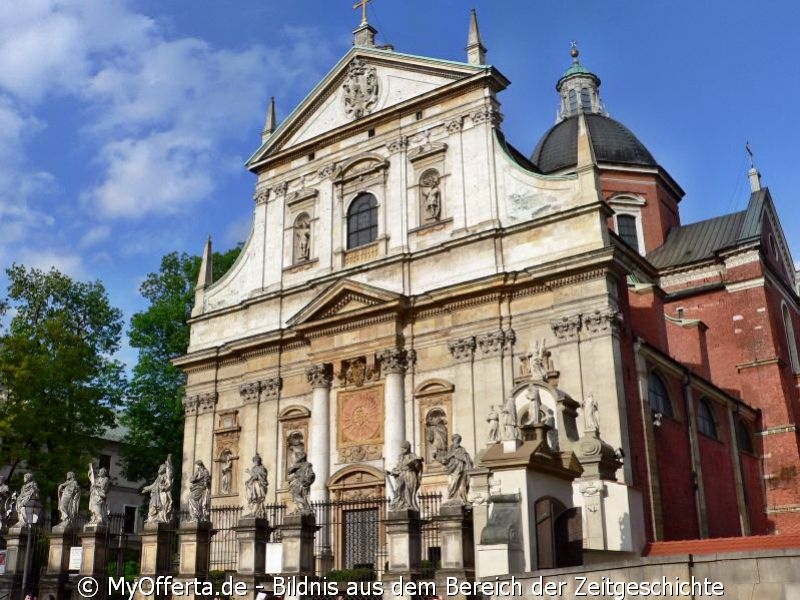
743,439
302,238
705,419
659,398
362,221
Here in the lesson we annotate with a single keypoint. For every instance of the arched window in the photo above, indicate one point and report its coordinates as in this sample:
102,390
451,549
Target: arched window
626,229
705,419
362,221
791,339
743,439
657,393
302,238
586,99
573,102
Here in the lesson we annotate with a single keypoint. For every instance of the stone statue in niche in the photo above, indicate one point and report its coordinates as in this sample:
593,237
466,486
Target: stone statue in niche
226,473
301,476
436,435
534,409
431,195
295,446
302,238
494,424
508,419
552,433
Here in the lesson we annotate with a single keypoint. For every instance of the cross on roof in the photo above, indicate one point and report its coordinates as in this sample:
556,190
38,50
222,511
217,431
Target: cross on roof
363,5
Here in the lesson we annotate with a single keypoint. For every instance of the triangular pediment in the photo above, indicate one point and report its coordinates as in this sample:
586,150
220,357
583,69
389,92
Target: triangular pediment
343,299
366,81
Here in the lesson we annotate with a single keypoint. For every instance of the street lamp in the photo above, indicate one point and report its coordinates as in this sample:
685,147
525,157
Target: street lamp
32,508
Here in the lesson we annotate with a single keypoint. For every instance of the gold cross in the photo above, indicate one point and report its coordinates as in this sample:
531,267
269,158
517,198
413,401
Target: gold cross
363,5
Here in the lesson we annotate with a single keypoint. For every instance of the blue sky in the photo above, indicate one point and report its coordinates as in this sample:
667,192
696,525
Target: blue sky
124,125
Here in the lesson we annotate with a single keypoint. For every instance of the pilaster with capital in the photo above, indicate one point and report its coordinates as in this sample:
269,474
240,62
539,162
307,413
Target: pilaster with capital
320,378
394,363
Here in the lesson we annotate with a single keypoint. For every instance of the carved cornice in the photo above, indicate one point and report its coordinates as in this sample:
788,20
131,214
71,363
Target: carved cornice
206,402
250,391
396,360
602,322
454,125
261,196
566,329
320,376
271,388
398,145
487,115
190,405
462,349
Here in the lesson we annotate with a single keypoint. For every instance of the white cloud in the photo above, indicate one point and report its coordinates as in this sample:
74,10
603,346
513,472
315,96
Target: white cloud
45,259
94,236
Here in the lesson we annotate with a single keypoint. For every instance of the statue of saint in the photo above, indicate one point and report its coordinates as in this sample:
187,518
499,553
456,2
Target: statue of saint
552,433
98,496
591,414
537,360
407,474
534,416
304,241
457,462
436,435
69,498
28,493
433,200
226,474
300,477
7,499
256,486
160,507
494,424
508,416
199,493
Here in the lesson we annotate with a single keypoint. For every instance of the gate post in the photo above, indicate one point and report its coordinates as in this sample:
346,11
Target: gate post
251,561
55,582
458,549
16,542
404,540
297,539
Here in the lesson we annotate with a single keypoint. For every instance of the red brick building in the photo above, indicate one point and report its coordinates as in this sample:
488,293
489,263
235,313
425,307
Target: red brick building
711,343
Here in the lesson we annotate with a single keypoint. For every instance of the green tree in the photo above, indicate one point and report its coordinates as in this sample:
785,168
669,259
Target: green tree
61,384
154,411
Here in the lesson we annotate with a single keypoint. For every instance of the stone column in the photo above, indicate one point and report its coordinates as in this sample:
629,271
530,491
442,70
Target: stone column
251,538
456,538
297,540
94,555
155,548
55,581
319,378
394,363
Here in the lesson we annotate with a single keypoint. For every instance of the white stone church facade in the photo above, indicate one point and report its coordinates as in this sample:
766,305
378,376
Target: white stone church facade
402,264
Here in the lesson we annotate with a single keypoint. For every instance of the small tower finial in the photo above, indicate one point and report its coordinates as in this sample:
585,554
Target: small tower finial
574,52
270,123
476,51
753,175
364,35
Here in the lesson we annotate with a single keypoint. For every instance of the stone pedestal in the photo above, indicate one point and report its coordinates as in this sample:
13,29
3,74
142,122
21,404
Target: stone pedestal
500,551
94,557
455,537
55,582
251,539
10,583
404,542
195,548
156,548
297,539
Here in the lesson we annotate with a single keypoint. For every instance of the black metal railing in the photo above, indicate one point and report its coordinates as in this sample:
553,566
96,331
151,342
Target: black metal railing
224,549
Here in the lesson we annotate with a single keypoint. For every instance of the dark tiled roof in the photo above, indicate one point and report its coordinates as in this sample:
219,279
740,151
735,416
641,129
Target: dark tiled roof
611,140
700,241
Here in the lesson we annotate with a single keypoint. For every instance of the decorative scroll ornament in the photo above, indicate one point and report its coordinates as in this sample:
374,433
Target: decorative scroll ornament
320,375
360,89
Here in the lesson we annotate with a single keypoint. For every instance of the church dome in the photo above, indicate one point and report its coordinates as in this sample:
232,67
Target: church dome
612,142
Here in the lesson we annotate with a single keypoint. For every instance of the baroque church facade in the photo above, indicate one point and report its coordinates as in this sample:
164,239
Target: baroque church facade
410,275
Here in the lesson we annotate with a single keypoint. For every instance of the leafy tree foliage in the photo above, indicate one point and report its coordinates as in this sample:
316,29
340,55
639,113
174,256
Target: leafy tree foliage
154,410
61,384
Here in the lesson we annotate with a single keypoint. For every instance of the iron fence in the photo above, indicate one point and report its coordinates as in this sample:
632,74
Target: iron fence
224,549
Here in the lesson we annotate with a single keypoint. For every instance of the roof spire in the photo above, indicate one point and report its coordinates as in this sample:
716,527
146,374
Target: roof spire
579,88
270,123
753,175
364,35
476,51
204,279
